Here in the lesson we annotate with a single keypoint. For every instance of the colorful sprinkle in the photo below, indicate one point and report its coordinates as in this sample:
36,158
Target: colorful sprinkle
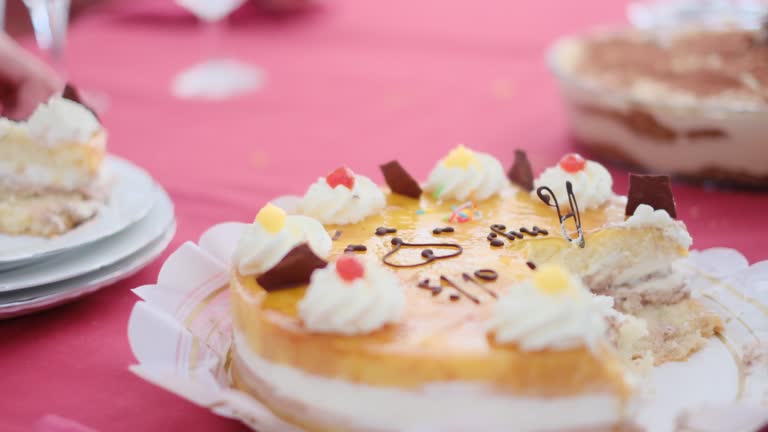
464,213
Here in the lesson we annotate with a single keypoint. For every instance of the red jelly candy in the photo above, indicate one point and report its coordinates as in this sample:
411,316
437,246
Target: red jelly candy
349,268
341,176
572,163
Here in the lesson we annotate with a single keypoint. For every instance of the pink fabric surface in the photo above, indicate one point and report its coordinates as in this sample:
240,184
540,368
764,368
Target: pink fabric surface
355,82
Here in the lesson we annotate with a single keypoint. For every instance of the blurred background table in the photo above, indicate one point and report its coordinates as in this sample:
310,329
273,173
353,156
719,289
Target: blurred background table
355,82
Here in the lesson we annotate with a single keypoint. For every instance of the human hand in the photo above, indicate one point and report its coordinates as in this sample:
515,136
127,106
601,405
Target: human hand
25,82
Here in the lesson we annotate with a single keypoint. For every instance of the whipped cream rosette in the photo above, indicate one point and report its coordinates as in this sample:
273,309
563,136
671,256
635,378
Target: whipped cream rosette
592,183
342,197
553,310
273,234
62,121
352,296
465,174
646,217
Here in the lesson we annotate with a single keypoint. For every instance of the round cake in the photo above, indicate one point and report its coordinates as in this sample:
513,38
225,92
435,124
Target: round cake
465,306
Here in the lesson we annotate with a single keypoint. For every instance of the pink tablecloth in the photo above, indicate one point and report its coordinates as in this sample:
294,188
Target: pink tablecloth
358,82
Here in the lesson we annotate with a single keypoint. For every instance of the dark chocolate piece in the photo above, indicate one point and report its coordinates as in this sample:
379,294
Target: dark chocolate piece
548,197
531,265
486,274
336,235
654,190
381,231
427,254
355,248
470,279
453,285
438,231
521,173
399,181
71,93
294,269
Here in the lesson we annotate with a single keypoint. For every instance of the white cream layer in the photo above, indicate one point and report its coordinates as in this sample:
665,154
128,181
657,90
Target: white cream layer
441,406
646,217
36,175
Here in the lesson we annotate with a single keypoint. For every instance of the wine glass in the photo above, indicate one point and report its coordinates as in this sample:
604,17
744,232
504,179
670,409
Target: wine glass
2,15
215,78
50,22
670,15
50,19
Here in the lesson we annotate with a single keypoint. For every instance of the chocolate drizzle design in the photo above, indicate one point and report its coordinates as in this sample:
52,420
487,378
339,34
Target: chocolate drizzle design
382,231
486,274
355,248
461,290
428,254
435,289
470,279
548,197
438,231
501,230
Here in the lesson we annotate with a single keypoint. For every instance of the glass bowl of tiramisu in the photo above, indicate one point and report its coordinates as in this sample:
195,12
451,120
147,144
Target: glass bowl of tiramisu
683,92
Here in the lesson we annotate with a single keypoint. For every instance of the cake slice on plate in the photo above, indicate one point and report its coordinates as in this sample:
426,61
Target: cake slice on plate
51,169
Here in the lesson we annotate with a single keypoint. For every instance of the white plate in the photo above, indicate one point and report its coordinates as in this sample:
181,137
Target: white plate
26,301
96,256
133,195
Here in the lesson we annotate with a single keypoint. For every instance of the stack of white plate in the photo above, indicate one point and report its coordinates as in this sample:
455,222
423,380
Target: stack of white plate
136,224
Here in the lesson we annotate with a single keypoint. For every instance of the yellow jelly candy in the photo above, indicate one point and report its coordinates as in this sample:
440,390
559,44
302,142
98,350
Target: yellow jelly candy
271,218
552,280
460,157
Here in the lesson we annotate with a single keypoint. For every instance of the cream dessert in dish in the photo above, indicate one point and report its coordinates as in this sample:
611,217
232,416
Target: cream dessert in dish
690,102
432,306
51,169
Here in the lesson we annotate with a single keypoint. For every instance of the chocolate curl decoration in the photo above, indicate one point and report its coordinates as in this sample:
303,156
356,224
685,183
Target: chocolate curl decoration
399,181
548,197
521,172
294,269
653,190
